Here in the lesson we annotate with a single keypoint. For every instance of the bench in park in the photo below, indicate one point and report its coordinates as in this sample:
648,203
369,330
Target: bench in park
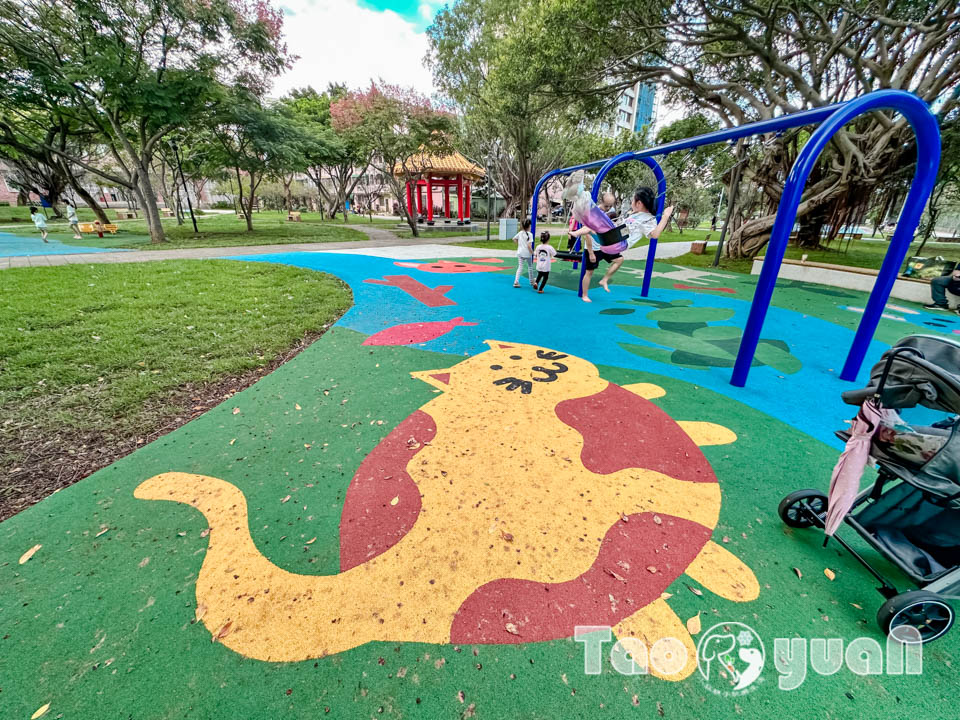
167,212
294,216
126,214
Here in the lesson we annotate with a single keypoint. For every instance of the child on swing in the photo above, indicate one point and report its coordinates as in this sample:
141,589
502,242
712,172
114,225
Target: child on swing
639,224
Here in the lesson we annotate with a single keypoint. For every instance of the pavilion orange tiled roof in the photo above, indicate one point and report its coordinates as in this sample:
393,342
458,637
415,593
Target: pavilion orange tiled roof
454,164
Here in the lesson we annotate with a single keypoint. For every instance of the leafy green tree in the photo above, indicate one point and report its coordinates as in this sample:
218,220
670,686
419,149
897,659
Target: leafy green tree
131,71
256,142
742,62
337,159
485,68
402,128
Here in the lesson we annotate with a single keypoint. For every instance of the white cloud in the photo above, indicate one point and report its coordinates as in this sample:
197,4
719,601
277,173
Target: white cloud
341,41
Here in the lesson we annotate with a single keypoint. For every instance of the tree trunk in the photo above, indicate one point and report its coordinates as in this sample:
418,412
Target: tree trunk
148,199
250,201
89,200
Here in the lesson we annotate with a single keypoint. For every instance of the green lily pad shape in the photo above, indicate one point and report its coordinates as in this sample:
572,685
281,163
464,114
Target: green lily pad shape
617,311
777,358
690,314
717,332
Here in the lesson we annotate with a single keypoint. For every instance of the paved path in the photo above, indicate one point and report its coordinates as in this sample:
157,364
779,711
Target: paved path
381,242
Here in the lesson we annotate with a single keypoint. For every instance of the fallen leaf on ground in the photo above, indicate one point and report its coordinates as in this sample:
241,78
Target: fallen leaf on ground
310,541
726,539
233,441
693,624
236,411
200,612
41,711
143,563
511,628
799,574
204,532
285,499
694,590
651,568
666,596
297,406
858,607
829,573
657,520
506,536
29,553
614,575
102,532
395,500
223,631
624,517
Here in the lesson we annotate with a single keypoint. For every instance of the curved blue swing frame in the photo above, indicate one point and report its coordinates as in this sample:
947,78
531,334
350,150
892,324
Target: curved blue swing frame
831,119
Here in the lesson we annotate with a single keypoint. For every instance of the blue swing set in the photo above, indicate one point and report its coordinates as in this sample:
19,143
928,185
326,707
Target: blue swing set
830,118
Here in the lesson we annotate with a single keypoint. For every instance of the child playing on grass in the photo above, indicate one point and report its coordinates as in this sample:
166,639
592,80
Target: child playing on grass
639,224
73,220
545,254
40,221
524,241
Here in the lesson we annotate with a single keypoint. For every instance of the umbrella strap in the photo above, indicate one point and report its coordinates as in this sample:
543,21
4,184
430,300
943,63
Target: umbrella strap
877,487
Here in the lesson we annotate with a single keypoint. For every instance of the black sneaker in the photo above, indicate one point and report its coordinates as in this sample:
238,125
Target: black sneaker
935,306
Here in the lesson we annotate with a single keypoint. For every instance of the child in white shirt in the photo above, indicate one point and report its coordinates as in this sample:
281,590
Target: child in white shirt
524,241
544,254
40,221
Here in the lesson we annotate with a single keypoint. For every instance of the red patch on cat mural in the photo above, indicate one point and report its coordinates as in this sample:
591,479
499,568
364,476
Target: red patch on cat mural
489,260
369,523
622,430
618,584
442,377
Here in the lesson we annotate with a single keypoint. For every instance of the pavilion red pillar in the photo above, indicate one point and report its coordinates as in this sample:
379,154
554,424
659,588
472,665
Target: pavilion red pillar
429,202
409,200
419,201
468,200
459,199
446,200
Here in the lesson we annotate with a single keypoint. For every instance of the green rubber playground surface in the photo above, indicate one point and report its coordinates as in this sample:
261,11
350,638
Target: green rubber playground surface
134,606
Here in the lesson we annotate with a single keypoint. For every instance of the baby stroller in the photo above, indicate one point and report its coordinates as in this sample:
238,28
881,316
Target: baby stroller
911,514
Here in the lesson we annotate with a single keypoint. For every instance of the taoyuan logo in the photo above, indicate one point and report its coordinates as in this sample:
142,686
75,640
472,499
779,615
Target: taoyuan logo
730,658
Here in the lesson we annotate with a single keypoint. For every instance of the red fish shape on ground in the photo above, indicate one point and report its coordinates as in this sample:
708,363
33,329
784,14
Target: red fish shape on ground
431,297
449,266
411,333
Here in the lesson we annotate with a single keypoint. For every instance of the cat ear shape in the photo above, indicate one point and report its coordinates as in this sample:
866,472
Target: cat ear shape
440,379
497,345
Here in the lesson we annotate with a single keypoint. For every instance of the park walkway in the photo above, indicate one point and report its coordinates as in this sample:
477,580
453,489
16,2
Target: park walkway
379,239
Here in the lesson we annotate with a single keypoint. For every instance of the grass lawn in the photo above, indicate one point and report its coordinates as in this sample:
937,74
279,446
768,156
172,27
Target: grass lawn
99,358
558,233
225,230
860,254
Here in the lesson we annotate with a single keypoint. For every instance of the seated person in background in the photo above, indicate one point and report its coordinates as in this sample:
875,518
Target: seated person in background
945,291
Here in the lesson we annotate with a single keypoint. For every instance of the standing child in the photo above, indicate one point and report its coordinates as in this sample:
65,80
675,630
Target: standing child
40,221
545,255
73,220
524,241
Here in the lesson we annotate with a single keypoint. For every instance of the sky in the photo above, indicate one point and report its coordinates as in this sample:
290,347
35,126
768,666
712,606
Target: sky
354,41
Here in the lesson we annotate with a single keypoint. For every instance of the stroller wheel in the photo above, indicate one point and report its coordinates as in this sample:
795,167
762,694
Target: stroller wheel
926,612
791,508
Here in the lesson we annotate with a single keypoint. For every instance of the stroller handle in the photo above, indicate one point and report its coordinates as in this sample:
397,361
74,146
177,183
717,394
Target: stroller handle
893,354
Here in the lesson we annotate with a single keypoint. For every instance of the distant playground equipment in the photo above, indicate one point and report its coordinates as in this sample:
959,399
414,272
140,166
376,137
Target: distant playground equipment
911,514
96,228
831,118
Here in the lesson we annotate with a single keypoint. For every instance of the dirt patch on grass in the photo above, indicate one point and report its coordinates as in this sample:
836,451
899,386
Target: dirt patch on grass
52,462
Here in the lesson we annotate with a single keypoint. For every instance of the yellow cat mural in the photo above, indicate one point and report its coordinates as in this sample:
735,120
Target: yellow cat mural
528,497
